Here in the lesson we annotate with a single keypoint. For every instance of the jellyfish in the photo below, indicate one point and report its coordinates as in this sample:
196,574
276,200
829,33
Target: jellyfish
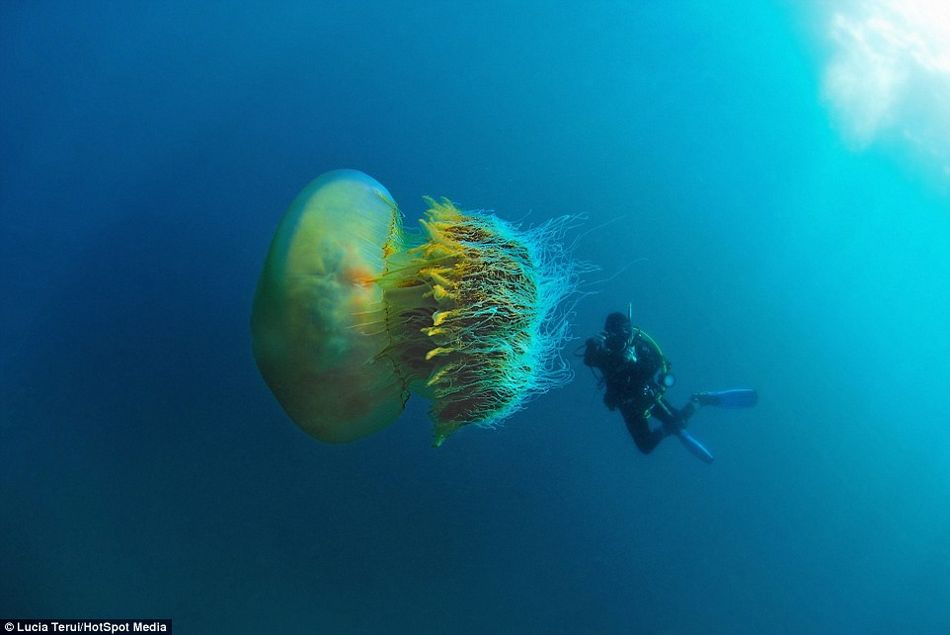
353,313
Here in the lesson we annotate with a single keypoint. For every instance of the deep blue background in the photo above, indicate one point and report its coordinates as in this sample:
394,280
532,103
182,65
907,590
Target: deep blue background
147,151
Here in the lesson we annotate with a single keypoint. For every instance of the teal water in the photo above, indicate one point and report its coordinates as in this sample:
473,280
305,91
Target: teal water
147,152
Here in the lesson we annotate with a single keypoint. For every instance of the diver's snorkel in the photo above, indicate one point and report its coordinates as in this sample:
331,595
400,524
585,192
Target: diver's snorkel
631,349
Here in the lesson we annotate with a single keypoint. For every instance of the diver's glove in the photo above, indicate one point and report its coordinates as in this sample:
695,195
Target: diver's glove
594,350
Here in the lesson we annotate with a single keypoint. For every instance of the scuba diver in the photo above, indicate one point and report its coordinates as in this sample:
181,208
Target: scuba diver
636,376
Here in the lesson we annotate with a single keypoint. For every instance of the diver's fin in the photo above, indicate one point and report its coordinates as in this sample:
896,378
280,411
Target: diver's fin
698,449
734,398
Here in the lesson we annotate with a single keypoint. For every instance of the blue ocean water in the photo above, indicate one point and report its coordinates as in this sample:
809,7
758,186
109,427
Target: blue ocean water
147,152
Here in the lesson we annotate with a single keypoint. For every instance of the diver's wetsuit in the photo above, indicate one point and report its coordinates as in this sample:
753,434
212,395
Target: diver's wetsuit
630,363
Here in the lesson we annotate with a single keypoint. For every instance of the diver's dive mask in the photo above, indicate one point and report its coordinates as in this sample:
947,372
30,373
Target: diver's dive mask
617,331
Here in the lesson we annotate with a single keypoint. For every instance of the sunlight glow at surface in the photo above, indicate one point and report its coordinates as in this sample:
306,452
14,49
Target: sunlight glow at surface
889,75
